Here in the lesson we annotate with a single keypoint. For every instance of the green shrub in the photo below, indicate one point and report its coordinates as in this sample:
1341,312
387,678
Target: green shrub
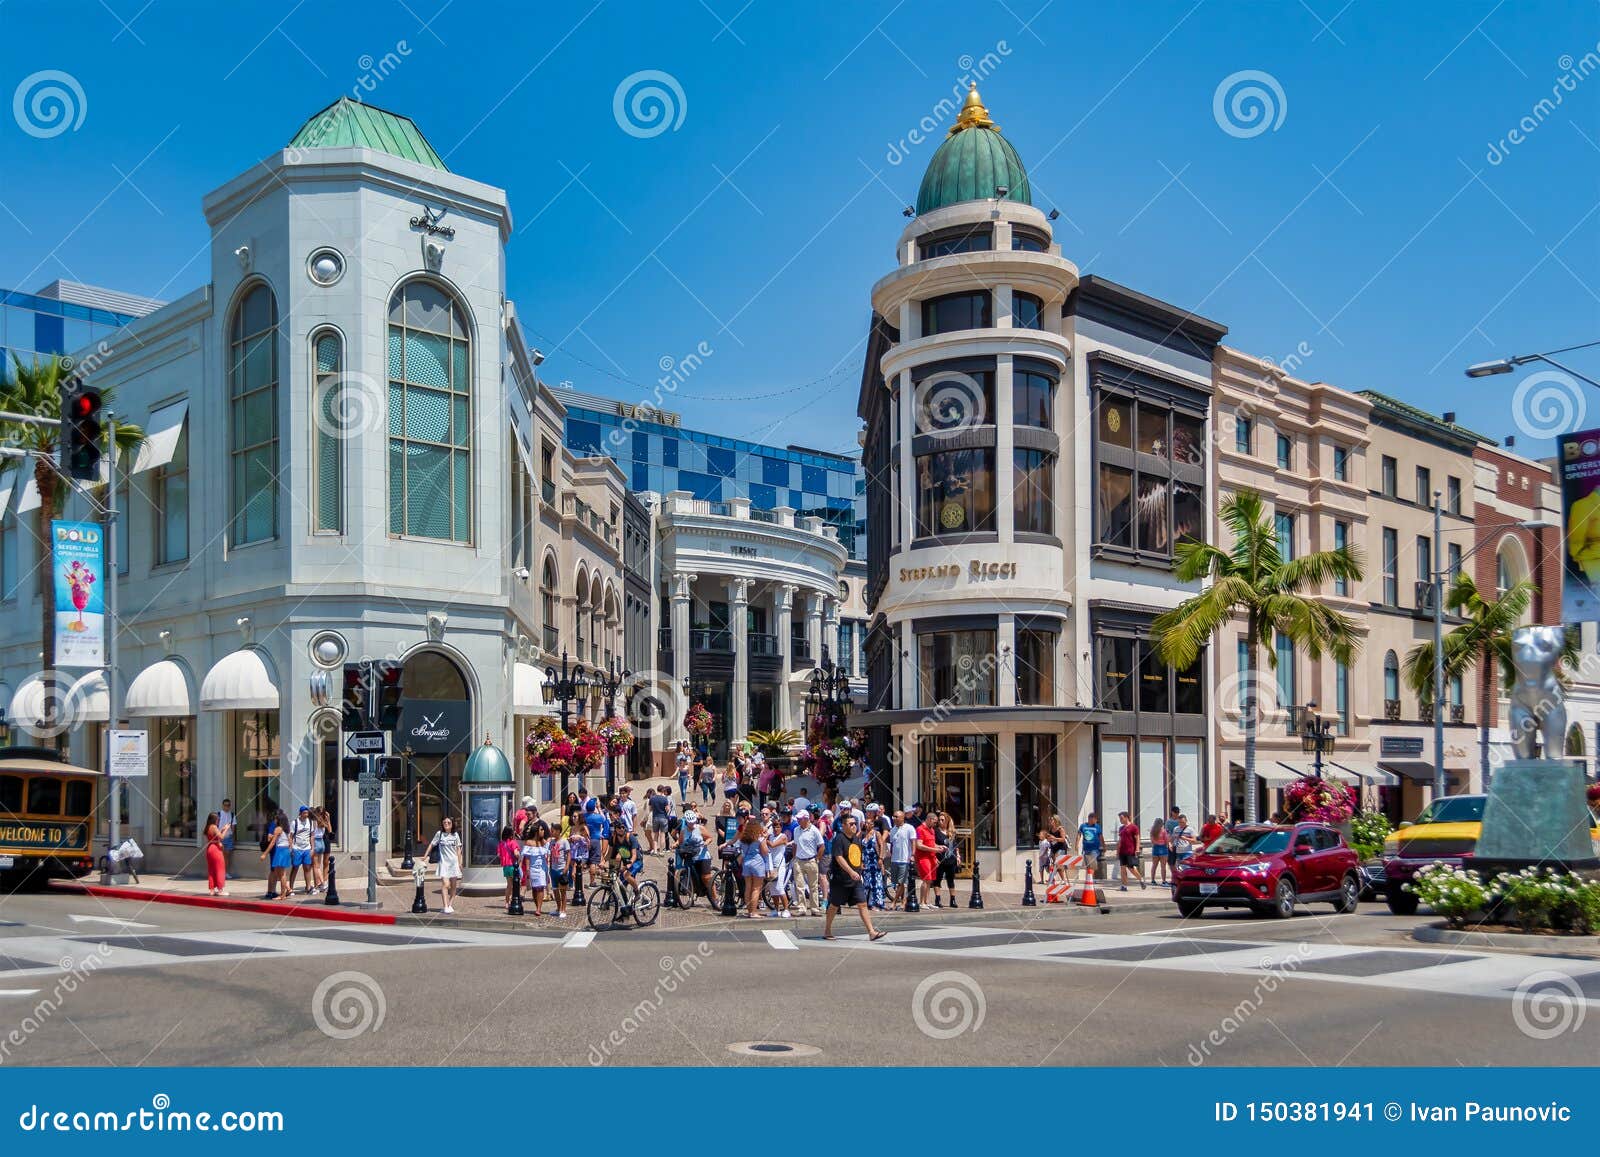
1451,892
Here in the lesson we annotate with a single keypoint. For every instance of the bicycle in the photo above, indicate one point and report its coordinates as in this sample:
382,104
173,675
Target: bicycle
607,905
689,883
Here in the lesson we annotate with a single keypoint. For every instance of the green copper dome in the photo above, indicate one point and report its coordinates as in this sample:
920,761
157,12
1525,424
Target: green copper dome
487,764
346,123
973,162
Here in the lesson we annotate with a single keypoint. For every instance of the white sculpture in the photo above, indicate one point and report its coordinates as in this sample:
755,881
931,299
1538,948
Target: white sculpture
1538,703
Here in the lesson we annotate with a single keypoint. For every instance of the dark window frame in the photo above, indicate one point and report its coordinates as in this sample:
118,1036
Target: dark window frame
983,319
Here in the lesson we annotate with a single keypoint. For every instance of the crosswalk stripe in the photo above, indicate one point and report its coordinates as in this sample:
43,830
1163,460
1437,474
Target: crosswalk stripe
18,991
577,939
780,939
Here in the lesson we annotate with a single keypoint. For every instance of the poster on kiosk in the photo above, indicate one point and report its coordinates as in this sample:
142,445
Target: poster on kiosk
80,608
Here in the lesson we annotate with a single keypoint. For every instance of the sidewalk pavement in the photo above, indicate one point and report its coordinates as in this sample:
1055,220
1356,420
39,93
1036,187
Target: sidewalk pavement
488,912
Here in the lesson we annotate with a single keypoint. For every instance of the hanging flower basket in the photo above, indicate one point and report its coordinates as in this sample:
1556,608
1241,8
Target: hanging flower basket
549,749
588,748
615,735
1320,801
698,721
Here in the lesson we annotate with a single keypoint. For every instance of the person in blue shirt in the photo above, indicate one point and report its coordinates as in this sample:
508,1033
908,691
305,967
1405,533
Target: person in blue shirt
1091,842
599,832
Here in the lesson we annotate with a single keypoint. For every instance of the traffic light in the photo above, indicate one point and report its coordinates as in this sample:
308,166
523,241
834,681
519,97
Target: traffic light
355,697
390,767
81,431
350,768
386,711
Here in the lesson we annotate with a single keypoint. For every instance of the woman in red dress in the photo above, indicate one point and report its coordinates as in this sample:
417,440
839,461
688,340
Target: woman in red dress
216,862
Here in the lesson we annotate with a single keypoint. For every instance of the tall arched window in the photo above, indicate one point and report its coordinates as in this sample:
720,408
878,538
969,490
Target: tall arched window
581,610
1391,677
430,415
253,401
327,470
547,604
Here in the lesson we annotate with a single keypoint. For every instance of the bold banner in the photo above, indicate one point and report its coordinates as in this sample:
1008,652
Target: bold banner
80,552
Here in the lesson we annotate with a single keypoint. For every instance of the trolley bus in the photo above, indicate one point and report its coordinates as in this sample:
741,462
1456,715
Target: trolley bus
47,814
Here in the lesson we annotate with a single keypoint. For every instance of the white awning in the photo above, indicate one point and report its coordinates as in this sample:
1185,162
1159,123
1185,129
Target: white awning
28,704
89,701
1274,775
241,681
1369,772
161,435
527,694
161,689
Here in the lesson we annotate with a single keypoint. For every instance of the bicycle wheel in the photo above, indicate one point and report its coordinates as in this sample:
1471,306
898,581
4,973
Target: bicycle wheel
714,891
602,908
686,888
647,904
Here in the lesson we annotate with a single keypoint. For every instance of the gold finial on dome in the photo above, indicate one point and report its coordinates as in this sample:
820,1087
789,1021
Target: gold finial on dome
973,115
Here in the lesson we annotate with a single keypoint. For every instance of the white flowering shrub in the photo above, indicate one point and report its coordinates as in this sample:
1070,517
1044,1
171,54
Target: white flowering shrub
1452,892
1531,899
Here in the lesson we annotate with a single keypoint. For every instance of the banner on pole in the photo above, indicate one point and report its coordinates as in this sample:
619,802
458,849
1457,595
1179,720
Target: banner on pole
1580,510
80,608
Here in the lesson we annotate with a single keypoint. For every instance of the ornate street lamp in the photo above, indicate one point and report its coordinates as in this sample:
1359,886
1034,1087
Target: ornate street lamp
608,679
571,684
1316,735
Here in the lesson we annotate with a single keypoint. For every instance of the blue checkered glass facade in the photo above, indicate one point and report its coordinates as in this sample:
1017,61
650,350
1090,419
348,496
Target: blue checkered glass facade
666,458
35,327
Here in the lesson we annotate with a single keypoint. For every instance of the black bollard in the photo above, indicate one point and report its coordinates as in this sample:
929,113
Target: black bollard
911,891
976,899
1028,900
333,888
730,889
577,889
515,907
672,889
419,905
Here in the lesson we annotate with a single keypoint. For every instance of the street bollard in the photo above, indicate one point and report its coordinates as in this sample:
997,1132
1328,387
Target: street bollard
515,907
1028,900
976,899
333,888
420,904
577,887
672,900
911,892
730,888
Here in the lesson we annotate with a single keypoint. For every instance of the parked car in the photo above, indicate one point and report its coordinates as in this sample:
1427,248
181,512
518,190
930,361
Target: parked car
1446,832
1270,869
1374,880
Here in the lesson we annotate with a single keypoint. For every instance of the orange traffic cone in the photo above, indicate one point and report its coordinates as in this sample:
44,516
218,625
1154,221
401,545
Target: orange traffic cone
1086,896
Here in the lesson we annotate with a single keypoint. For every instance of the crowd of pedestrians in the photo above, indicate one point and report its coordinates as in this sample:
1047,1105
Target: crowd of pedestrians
1172,840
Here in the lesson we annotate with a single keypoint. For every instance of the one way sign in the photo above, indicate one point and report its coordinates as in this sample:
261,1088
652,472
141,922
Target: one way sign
365,742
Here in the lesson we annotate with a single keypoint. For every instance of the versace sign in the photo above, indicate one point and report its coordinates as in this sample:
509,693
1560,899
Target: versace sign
434,726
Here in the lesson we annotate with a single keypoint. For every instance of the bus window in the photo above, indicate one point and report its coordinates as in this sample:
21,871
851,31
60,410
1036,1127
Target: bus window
44,796
10,793
80,798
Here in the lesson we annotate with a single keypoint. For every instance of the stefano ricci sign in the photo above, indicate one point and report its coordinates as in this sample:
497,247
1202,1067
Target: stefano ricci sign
975,571
434,726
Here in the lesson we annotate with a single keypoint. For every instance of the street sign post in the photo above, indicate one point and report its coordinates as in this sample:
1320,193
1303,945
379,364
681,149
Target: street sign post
369,812
365,742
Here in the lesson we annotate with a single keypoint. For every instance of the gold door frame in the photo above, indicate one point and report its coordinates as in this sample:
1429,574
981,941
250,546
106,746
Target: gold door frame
966,775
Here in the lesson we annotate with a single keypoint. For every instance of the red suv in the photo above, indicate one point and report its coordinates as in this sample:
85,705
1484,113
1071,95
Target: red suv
1269,869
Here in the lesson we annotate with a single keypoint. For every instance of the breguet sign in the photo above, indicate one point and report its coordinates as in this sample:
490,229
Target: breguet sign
975,571
434,726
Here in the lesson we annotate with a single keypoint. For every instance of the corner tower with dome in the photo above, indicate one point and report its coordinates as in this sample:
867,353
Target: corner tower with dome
1035,445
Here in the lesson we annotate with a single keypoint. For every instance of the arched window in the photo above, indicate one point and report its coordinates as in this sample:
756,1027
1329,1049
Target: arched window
581,612
596,610
1575,740
1502,574
547,604
430,415
253,402
327,468
1391,677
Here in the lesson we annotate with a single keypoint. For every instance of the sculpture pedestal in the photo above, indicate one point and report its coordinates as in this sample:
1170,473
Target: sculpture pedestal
1536,816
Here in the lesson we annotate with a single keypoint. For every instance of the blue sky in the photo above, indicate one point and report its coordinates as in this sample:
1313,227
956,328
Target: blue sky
1369,233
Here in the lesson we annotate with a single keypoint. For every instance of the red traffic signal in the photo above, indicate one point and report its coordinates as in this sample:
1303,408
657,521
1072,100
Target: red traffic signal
81,431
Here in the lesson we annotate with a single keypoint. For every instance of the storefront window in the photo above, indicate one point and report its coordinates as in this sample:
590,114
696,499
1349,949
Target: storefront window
955,491
1116,671
255,771
1151,476
1032,491
1155,682
253,390
430,415
1036,786
1160,689
1027,311
957,311
956,774
1036,667
171,747
1031,396
957,668
1116,505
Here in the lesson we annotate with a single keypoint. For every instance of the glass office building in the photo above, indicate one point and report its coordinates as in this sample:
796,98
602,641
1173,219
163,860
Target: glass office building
660,455
63,317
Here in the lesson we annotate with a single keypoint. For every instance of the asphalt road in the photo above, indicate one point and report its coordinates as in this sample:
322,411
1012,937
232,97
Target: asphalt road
160,984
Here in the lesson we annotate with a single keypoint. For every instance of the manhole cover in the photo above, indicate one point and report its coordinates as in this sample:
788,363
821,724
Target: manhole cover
772,1048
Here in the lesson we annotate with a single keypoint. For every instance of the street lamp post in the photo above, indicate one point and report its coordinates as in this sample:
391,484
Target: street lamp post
608,679
1316,736
1506,365
565,687
407,863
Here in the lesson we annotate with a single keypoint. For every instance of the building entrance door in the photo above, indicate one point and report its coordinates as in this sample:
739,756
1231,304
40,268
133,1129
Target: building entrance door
952,793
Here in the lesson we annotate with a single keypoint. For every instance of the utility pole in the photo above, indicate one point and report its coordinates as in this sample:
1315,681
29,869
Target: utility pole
113,700
1436,585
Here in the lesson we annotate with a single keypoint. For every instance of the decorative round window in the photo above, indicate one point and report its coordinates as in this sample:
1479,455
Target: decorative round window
328,649
325,266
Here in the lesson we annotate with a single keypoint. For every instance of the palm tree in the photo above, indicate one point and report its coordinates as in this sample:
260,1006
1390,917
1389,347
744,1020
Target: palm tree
37,389
1484,637
1252,578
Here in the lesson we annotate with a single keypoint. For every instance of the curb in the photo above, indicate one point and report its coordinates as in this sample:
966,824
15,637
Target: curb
1583,947
228,904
